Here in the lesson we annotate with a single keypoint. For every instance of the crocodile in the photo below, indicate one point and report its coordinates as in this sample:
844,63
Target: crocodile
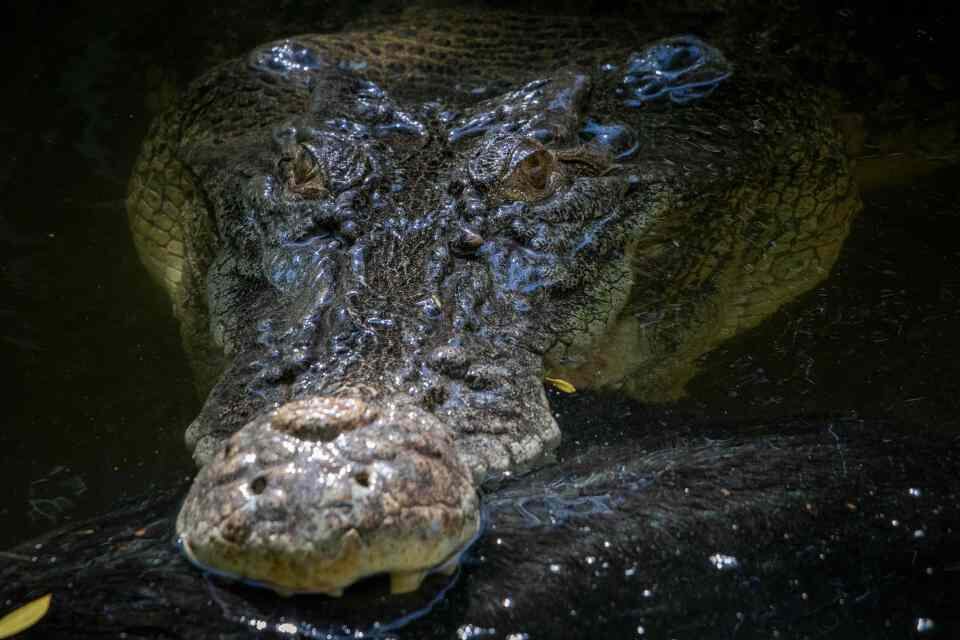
381,244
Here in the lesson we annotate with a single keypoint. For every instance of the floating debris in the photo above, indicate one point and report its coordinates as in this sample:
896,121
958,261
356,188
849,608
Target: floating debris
24,617
562,385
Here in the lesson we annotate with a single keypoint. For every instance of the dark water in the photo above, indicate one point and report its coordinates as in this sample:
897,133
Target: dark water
100,391
877,339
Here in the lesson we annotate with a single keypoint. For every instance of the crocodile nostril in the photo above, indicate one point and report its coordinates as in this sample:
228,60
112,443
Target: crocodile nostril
449,360
363,479
258,485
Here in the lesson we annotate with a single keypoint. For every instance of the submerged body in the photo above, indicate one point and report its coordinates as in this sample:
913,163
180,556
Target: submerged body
380,244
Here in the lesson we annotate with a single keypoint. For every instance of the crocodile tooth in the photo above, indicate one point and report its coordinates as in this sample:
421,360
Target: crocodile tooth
406,581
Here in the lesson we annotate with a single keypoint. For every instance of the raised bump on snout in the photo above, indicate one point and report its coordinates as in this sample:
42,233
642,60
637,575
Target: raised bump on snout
450,360
322,419
485,377
466,242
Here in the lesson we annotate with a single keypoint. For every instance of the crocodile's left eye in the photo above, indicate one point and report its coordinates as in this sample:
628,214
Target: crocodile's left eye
302,173
536,168
532,173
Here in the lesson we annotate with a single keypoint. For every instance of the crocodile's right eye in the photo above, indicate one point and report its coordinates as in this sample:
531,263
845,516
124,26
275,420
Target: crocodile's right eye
536,168
302,174
531,174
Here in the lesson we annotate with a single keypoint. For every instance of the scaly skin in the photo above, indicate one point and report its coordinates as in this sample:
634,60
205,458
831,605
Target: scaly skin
402,502
428,219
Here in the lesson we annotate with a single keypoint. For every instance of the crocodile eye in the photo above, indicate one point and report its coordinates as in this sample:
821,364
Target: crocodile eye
302,174
536,168
304,166
532,173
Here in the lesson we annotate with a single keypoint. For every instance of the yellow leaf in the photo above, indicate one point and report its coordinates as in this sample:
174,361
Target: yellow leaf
24,617
562,385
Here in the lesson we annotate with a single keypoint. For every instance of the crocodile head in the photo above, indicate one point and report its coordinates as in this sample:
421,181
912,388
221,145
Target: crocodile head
392,279
421,262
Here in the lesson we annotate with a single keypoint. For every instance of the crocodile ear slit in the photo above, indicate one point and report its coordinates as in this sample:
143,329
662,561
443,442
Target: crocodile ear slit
680,69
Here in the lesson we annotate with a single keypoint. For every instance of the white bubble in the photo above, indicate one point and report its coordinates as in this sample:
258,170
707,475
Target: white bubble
724,562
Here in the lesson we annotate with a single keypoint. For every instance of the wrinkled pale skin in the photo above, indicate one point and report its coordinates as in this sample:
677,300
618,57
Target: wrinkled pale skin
375,491
376,266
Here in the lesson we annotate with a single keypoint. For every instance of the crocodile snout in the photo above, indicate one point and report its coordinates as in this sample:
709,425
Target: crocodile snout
326,490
